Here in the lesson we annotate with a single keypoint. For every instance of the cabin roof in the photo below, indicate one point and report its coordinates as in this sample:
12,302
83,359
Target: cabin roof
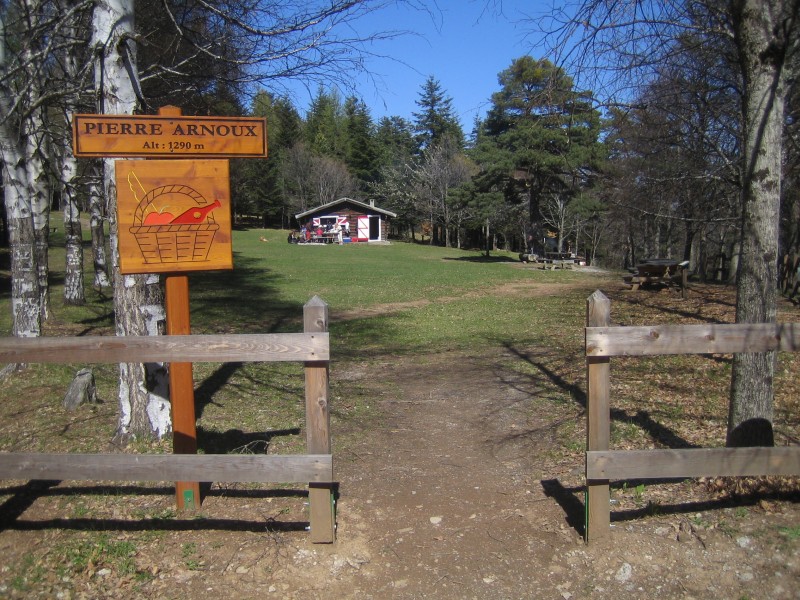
367,207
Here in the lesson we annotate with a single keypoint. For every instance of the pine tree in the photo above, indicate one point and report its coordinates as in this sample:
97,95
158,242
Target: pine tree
361,153
259,186
540,137
395,141
325,124
436,118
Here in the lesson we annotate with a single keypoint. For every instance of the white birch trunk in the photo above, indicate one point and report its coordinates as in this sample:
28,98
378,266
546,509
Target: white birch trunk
137,308
73,234
36,151
39,193
96,220
25,297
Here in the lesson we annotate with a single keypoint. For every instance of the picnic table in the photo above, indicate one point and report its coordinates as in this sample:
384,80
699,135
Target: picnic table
659,271
326,238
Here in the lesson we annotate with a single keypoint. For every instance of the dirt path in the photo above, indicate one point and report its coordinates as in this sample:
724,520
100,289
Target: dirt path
458,494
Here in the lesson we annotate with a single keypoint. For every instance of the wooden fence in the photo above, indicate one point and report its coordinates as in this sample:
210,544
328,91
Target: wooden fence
310,347
602,464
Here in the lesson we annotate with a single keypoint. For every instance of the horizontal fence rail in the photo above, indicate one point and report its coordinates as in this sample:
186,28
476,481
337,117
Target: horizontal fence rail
692,339
693,462
604,342
227,468
270,347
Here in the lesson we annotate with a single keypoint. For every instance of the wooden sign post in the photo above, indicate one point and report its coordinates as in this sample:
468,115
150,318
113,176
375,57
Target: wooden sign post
181,388
181,378
173,217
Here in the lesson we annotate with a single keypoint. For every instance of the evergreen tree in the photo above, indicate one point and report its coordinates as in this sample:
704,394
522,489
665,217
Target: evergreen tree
361,153
540,138
396,147
259,184
324,127
395,141
436,118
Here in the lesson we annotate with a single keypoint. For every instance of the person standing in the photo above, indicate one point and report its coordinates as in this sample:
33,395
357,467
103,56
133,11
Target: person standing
337,229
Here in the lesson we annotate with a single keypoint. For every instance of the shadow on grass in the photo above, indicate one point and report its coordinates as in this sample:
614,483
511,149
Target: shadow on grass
657,431
236,440
575,510
204,393
24,496
482,259
245,300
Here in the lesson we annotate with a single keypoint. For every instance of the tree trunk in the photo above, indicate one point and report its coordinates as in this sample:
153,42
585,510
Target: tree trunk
73,235
143,413
25,313
756,25
40,205
26,316
99,256
34,148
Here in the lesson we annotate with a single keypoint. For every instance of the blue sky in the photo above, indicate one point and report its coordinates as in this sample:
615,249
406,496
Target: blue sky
462,43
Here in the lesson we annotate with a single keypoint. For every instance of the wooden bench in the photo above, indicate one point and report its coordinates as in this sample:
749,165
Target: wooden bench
603,464
312,347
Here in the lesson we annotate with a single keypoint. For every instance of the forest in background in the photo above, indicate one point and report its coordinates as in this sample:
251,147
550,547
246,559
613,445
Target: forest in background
658,177
550,167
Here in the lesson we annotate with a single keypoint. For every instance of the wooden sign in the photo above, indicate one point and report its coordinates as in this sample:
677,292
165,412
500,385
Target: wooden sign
173,215
168,136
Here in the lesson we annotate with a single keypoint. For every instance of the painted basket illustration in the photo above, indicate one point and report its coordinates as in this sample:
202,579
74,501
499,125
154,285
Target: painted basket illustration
167,238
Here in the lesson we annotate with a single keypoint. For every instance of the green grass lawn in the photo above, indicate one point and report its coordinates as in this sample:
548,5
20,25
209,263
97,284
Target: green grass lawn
452,293
272,279
385,301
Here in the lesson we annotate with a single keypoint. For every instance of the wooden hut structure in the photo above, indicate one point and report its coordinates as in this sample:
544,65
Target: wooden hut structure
365,221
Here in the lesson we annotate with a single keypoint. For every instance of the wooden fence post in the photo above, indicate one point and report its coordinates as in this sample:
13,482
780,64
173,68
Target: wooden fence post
318,421
598,428
684,281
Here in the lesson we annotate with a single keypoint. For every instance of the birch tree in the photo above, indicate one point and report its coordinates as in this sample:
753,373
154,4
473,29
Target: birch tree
38,37
138,301
100,262
74,68
22,176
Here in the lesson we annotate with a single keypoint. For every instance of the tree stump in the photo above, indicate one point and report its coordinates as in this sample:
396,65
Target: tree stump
81,390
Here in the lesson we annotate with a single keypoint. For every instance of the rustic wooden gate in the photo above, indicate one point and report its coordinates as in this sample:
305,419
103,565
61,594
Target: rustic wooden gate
310,347
603,465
